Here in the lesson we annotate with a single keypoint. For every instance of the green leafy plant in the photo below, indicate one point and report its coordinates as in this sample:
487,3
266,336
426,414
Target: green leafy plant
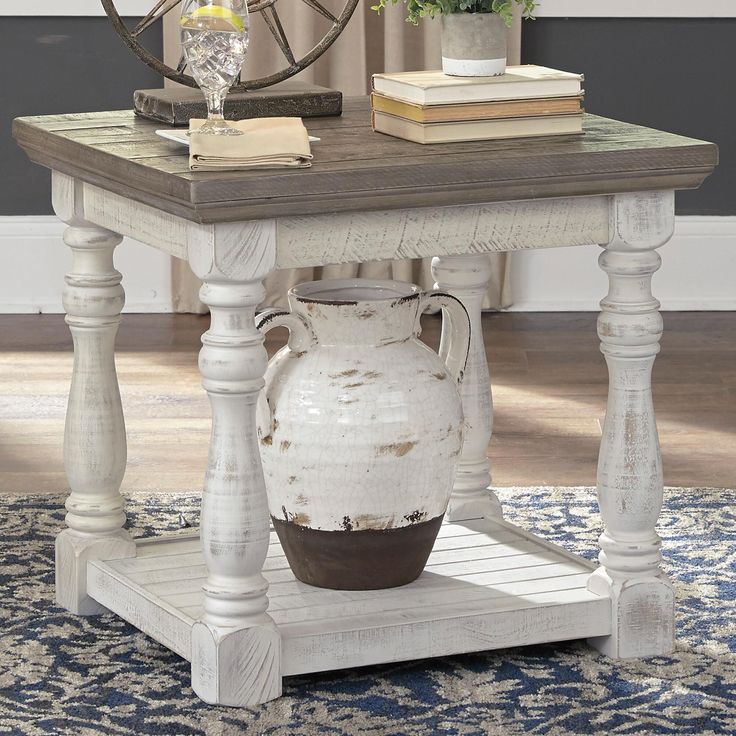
417,9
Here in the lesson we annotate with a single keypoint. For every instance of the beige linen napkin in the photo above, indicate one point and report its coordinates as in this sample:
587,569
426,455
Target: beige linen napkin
266,143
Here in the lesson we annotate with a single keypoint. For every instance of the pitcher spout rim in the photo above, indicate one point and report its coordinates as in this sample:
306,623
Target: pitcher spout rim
354,292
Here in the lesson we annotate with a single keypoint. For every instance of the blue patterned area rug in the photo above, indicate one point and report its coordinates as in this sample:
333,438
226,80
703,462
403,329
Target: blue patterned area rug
60,674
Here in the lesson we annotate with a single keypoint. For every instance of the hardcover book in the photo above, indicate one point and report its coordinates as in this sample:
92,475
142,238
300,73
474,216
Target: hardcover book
519,82
476,130
477,110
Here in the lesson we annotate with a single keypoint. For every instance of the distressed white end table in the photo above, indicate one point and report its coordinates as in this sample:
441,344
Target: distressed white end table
226,599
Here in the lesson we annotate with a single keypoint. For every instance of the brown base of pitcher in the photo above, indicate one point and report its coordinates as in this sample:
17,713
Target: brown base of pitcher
368,559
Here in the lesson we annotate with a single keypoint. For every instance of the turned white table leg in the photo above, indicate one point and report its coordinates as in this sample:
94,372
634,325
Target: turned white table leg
630,467
466,277
94,436
236,646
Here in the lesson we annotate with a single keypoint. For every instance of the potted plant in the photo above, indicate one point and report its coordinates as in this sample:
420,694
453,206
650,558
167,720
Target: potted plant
473,31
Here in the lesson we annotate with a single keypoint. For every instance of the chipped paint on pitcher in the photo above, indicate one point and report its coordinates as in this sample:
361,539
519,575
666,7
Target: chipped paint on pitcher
360,427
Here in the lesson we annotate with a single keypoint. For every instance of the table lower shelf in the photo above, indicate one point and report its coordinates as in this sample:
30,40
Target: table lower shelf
488,585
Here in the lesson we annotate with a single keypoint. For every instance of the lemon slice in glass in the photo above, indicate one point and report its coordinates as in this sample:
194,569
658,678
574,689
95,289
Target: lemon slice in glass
213,18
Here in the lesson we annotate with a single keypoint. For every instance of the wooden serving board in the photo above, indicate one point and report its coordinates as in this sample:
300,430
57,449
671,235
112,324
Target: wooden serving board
292,98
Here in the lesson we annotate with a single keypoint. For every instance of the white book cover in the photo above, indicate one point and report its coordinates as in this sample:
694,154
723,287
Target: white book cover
520,82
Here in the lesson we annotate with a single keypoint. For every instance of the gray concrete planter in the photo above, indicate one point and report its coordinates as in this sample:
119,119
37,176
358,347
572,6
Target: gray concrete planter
473,44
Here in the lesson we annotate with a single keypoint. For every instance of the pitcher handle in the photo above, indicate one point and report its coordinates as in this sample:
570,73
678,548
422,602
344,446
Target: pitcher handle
301,336
455,342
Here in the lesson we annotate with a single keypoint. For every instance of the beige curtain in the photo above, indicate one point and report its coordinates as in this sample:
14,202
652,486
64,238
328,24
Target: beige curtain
368,45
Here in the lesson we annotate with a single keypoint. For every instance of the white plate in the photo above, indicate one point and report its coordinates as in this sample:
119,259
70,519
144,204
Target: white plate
179,135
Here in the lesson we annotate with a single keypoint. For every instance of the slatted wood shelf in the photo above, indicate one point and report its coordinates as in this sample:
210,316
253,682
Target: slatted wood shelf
488,584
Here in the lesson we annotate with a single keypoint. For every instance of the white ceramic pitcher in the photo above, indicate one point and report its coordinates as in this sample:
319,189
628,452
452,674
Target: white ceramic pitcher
360,426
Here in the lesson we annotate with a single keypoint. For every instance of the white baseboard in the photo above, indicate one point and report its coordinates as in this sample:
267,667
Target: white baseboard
698,271
33,261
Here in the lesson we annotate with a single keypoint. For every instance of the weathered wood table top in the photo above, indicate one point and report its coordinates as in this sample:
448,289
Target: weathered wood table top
356,169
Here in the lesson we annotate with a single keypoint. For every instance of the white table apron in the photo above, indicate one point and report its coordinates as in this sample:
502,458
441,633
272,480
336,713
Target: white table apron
489,584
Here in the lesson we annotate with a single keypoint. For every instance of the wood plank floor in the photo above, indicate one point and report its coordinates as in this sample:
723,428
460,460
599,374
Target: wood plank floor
549,390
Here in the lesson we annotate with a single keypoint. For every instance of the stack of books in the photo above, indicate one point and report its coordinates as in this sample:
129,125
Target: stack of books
431,107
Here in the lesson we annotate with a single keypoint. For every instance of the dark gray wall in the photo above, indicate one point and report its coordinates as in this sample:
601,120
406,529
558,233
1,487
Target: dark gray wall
56,65
671,74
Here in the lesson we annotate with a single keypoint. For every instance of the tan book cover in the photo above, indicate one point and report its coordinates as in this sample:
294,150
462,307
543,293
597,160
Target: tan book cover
476,130
519,82
477,110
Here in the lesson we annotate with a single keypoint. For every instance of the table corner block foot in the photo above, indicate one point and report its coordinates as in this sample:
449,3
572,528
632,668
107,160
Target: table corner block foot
73,551
236,666
475,504
643,616
466,277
